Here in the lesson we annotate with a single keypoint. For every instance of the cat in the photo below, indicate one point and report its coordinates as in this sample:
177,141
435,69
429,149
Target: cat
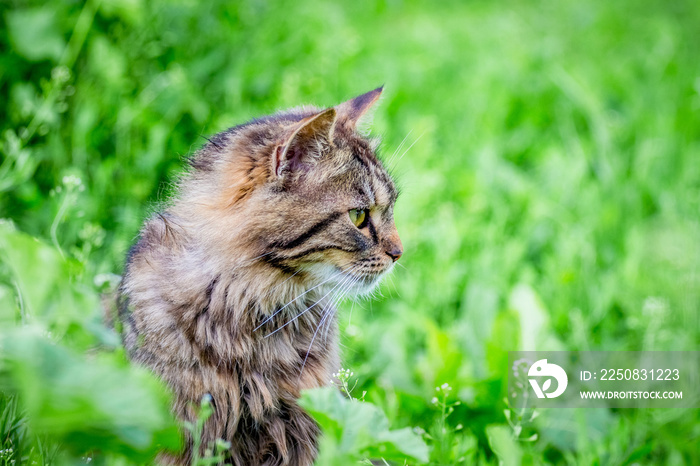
229,291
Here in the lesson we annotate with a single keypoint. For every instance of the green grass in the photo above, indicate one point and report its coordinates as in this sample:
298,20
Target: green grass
548,158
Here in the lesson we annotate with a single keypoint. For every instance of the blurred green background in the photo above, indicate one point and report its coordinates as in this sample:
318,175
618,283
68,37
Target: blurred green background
549,159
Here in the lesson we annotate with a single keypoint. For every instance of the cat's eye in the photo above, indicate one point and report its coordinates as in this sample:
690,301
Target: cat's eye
359,217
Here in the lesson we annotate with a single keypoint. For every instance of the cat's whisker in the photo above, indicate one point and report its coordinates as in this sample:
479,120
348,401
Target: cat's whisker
276,287
390,162
338,274
328,311
261,255
325,327
409,147
305,310
254,259
341,296
393,284
352,308
313,338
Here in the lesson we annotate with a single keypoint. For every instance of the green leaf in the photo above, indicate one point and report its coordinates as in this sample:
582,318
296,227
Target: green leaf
504,337
93,403
8,306
398,444
354,429
504,445
46,292
37,269
535,328
34,33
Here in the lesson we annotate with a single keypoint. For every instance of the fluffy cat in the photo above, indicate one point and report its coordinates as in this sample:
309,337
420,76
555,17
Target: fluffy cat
230,290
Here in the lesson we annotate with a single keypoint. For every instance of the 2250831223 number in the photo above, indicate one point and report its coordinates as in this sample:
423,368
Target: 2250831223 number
640,374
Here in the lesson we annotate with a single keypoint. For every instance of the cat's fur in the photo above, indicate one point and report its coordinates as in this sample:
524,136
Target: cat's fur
230,290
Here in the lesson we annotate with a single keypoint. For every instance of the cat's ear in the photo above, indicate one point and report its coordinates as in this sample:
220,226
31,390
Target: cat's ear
350,112
304,141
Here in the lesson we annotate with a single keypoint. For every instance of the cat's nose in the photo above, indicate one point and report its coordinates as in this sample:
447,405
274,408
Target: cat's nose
392,244
395,252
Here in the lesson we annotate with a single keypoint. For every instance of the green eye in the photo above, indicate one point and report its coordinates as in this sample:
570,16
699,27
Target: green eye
359,217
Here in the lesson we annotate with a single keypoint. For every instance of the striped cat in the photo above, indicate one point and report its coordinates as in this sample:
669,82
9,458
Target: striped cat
230,290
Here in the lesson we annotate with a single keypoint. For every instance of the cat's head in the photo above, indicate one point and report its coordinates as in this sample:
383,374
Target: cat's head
303,192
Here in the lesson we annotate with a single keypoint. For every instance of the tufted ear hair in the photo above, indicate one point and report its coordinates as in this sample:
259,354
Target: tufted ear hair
304,141
351,111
